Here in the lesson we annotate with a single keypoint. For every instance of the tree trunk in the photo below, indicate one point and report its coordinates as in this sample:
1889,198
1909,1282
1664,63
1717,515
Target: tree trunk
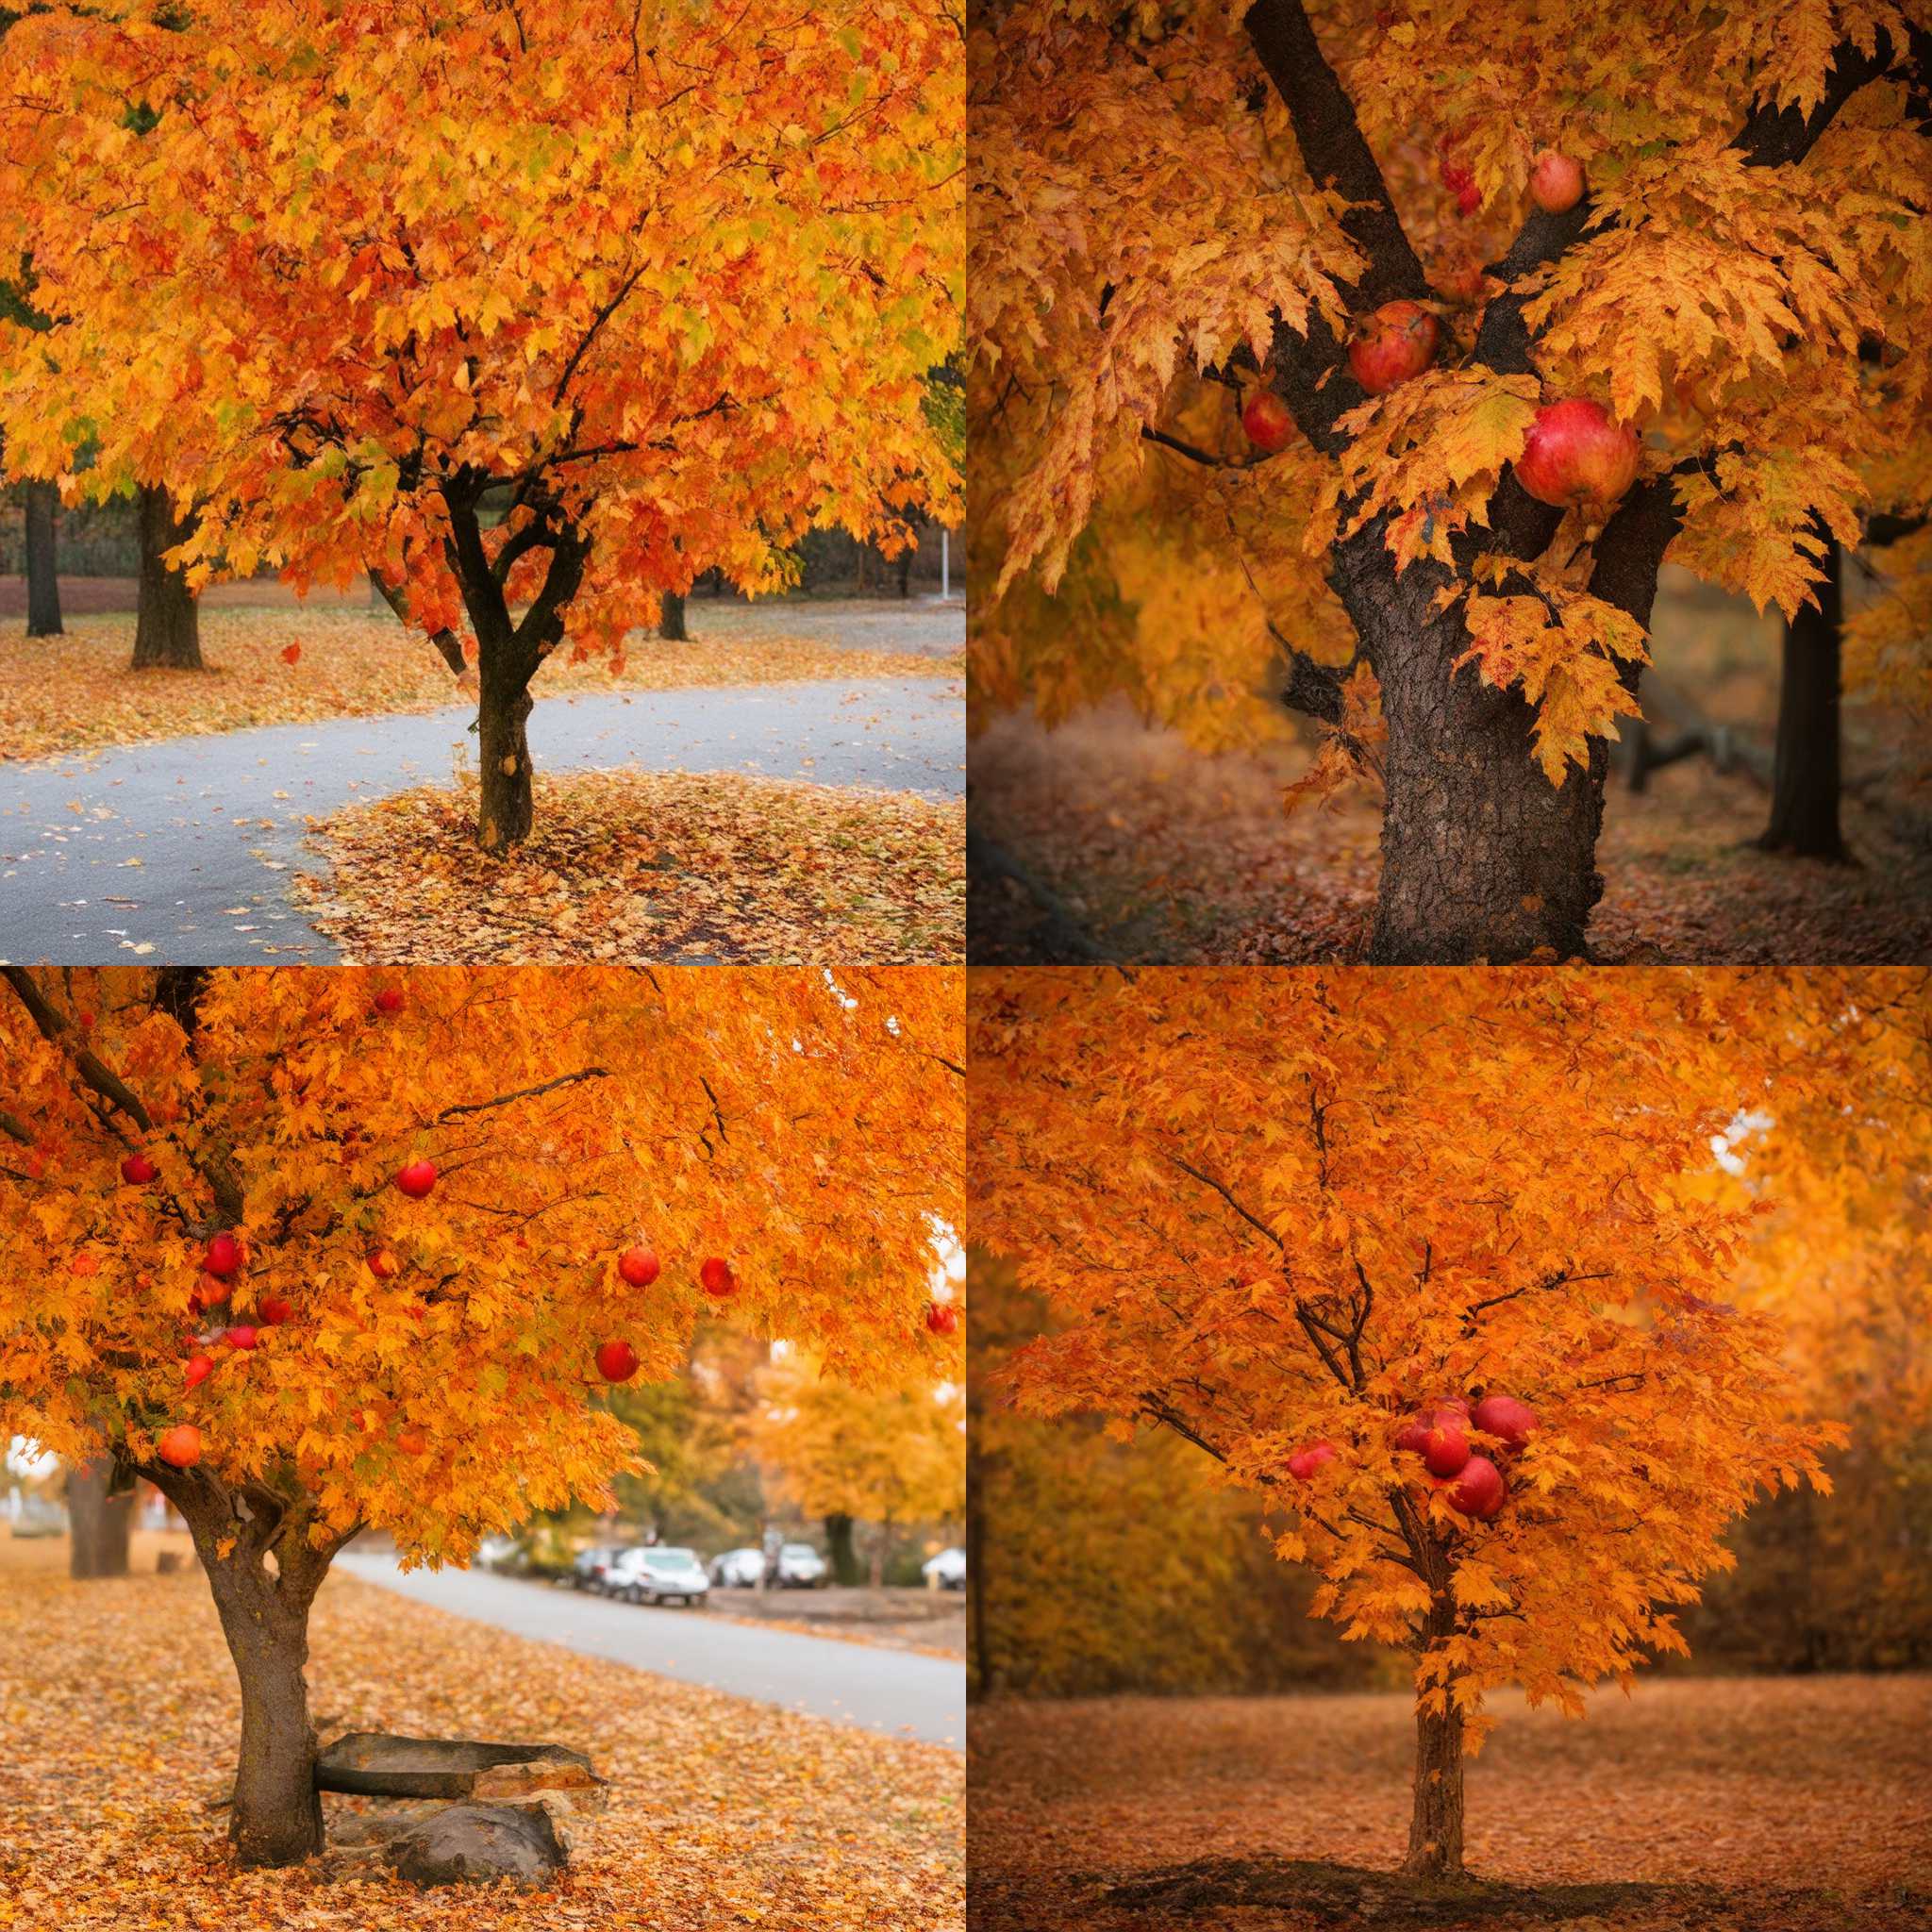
845,1555
880,1543
42,504
1804,778
671,620
99,1523
508,806
905,563
1435,1829
167,628
1483,858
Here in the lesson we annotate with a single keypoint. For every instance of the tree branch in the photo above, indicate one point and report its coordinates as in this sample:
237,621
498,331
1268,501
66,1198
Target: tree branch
450,1113
449,646
92,1069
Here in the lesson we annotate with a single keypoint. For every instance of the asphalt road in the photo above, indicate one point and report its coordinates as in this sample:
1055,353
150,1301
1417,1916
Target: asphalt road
182,849
896,1691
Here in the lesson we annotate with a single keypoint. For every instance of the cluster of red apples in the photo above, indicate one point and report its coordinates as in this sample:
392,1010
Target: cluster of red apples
1471,1480
1577,453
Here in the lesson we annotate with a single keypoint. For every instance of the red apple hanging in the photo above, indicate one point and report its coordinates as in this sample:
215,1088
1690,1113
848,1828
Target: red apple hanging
1576,454
416,1179
382,1264
638,1266
717,1279
224,1255
180,1445
390,1000
1504,1416
1448,1448
1266,420
1556,183
138,1170
1398,341
200,1367
617,1362
1303,1464
941,1318
245,1335
273,1309
1413,1434
1478,1488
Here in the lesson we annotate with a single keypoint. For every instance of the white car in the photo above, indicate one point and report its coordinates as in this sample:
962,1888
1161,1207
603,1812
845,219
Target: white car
948,1569
801,1567
655,1574
738,1569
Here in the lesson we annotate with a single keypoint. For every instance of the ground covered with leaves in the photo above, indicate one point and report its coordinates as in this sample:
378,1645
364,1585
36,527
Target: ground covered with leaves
292,665
694,867
1157,854
121,1718
1697,1805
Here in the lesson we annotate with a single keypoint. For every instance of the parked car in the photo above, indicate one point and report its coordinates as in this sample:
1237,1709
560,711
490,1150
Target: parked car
948,1569
801,1567
593,1566
738,1569
656,1574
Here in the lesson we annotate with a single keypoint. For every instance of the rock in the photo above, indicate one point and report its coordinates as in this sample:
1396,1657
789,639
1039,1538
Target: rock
375,1764
468,1844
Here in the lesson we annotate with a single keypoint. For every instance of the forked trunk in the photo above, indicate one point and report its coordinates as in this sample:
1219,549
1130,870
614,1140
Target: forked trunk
1483,858
1804,778
508,806
167,624
42,504
1435,1828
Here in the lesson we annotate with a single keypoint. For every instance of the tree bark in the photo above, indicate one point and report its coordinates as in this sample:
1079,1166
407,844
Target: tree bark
167,624
846,1567
1806,774
43,503
98,1522
671,618
507,807
1435,1828
882,1543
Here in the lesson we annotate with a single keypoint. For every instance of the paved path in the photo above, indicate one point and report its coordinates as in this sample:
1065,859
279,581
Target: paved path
182,849
896,1691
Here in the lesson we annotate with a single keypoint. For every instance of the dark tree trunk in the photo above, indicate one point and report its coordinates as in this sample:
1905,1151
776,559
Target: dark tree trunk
167,626
671,620
1435,1828
99,1523
905,563
1483,858
881,1547
1805,778
507,807
264,1573
42,504
838,1541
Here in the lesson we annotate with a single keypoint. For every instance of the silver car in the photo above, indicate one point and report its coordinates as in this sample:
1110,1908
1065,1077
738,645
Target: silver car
657,1575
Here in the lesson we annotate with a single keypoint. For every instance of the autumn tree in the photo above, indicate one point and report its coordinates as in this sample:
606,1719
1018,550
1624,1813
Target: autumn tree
539,312
1304,1221
1267,316
320,1252
887,1455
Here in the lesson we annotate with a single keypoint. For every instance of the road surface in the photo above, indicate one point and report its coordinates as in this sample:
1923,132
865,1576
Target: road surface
183,849
896,1691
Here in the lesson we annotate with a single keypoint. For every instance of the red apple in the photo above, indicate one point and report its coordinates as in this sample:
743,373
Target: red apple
1576,454
1458,1402
1398,341
243,1336
1414,1435
273,1309
180,1445
942,1318
1479,1489
1266,419
1556,183
1303,1464
390,1000
138,1170
417,1178
617,1362
382,1264
224,1255
412,1442
717,1279
638,1266
1448,1449
1504,1416
200,1367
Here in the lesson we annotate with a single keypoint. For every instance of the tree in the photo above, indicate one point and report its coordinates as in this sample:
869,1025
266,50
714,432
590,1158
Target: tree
549,307
41,506
885,1455
167,623
671,626
1805,764
345,1352
1183,203
99,1521
1276,1210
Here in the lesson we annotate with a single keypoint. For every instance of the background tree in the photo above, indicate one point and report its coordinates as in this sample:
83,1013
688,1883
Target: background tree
1753,212
549,307
167,620
1277,1213
230,1270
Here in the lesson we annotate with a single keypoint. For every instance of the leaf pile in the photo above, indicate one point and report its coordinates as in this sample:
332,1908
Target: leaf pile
1789,1804
75,693
660,866
721,1812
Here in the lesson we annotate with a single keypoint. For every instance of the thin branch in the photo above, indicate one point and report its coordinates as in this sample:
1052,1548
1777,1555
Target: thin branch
91,1067
450,1113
